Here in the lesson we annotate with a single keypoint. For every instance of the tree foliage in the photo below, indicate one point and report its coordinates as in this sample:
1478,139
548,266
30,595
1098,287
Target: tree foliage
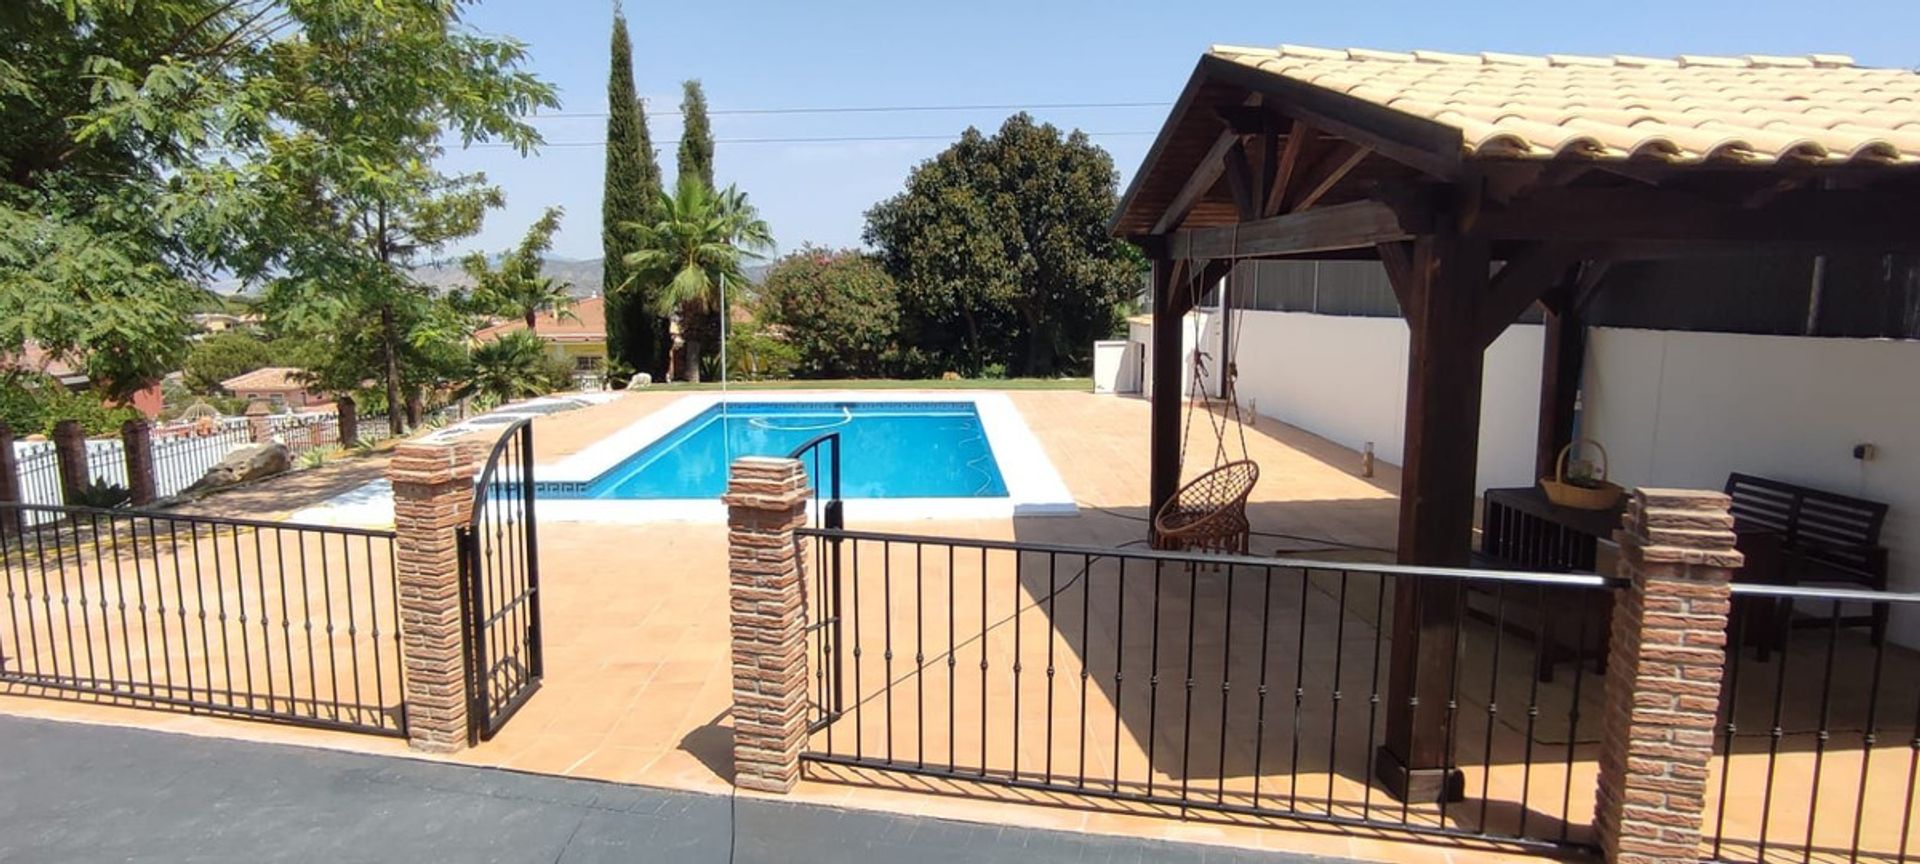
838,309
691,252
1001,251
636,337
515,366
224,355
696,136
514,287
149,145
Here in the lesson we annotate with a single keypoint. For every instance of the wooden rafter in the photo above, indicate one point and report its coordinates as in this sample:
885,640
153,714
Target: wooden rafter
1299,142
1240,181
1525,278
1198,184
1326,174
1354,225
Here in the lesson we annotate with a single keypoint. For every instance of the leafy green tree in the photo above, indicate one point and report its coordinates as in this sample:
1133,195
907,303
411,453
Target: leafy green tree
696,136
514,287
224,355
636,337
693,250
32,403
344,182
1002,254
515,366
838,309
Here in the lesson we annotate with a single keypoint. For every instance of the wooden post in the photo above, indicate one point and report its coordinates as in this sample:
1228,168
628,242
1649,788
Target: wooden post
136,439
1444,281
9,485
1562,357
70,448
1164,446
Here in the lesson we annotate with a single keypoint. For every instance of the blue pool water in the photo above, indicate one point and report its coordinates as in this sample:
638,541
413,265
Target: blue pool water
889,450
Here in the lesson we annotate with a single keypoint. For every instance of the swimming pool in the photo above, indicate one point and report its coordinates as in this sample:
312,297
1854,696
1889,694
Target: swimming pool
906,456
888,450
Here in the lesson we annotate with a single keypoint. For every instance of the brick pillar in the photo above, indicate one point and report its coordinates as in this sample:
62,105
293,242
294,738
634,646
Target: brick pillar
348,415
70,448
136,437
259,422
1663,674
766,500
9,484
432,495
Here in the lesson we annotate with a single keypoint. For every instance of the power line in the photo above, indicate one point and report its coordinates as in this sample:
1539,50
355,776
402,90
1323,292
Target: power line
830,139
873,109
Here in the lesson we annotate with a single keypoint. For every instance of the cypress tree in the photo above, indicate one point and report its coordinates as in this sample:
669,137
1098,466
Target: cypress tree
696,139
635,336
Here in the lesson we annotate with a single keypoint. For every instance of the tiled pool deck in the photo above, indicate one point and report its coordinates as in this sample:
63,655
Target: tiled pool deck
637,683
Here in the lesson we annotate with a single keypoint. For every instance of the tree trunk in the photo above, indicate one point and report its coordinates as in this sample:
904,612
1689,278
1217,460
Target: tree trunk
693,360
532,315
416,408
389,345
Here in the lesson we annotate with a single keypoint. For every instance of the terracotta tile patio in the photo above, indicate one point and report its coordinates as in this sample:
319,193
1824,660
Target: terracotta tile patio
637,684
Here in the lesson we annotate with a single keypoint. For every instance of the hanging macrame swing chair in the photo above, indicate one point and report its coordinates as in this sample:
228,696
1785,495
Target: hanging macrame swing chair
1209,513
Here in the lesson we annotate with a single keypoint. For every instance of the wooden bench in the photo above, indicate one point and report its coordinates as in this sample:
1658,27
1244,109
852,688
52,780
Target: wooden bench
1796,535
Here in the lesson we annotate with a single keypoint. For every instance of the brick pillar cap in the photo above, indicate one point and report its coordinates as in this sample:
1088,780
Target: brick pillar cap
766,483
426,463
257,408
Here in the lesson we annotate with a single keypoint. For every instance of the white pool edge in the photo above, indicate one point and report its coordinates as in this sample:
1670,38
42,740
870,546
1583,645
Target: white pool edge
1034,486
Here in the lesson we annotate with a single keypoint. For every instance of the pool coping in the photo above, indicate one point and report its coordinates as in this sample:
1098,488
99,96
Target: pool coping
1034,486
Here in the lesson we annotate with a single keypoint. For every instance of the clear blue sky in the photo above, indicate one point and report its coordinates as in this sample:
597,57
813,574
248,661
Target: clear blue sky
758,55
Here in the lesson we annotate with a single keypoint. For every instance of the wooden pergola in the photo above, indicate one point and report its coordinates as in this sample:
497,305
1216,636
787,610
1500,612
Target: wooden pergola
1441,166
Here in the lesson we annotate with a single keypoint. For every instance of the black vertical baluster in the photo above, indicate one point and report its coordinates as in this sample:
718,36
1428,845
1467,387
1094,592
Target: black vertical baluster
120,600
180,602
1541,663
1186,713
1153,684
1053,617
1731,726
983,662
1453,692
1821,737
286,619
200,607
353,624
1913,775
160,599
919,657
14,516
1339,656
1016,663
46,599
1299,697
1260,709
66,602
220,598
266,631
1774,735
1119,659
1086,658
240,603
1413,698
373,616
326,600
886,626
306,624
1226,685
1493,699
1868,739
80,568
859,695
1573,729
953,669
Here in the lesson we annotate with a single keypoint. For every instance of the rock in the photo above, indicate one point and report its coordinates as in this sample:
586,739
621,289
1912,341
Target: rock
642,379
246,464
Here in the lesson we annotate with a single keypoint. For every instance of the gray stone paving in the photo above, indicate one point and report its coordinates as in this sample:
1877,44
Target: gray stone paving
73,792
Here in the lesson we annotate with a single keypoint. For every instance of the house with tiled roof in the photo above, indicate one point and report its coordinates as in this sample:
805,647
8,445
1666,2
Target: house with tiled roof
577,336
278,386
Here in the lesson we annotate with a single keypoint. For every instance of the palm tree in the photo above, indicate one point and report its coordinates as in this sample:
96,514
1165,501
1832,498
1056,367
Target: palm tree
696,244
515,366
515,287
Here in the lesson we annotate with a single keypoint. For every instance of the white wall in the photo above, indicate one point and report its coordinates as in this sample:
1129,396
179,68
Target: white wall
1115,368
1345,379
1196,328
1685,409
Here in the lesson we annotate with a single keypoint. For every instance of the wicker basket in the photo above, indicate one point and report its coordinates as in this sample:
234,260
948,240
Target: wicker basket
1603,495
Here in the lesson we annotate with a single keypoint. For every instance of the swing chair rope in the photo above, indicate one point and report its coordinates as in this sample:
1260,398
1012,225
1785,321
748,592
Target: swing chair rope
1196,394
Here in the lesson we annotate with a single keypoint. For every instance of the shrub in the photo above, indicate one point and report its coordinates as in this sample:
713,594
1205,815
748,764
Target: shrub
31,403
838,309
225,355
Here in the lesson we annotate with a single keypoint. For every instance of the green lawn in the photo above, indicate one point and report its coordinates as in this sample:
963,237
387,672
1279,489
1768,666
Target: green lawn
889,384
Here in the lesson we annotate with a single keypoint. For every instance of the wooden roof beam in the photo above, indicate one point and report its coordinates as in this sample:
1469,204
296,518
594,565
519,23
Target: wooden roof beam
1354,225
1327,174
1198,184
1521,281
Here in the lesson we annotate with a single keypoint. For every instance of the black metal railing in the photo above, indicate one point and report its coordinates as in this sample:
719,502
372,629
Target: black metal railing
1232,686
500,586
1817,751
230,617
821,458
303,433
179,461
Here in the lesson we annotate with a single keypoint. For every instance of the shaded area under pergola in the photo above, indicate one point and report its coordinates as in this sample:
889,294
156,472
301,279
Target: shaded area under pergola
1257,163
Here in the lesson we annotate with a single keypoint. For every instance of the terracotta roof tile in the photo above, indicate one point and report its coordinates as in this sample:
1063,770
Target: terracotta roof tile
1818,108
268,378
587,322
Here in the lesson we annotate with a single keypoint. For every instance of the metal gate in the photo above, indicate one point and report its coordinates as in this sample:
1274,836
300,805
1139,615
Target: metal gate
821,458
500,586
